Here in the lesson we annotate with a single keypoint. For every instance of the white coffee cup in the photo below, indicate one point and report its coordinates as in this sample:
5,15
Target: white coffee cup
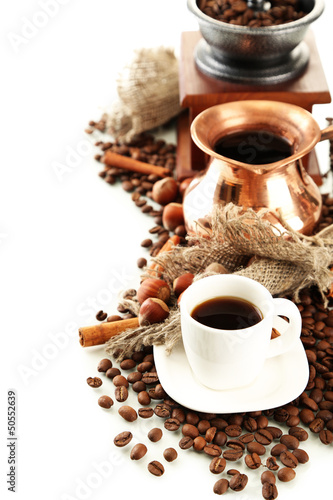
226,359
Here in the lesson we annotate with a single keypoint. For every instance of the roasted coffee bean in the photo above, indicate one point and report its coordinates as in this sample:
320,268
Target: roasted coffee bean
307,416
255,447
326,436
233,430
121,393
263,436
217,465
190,430
210,434
286,474
235,444
238,482
159,392
268,477
185,443
150,378
290,441
250,424
119,380
162,410
299,433
114,317
317,425
213,450
155,434
134,377
105,402
104,365
145,412
172,424
219,423
253,461
301,456
101,316
274,431
179,414
203,426
141,262
144,398
233,472
199,443
281,415
232,455
278,449
170,454
128,413
138,451
139,386
156,468
269,491
123,439
221,486
271,463
262,422
192,418
288,459
112,372
94,382
127,364
220,438
145,366
325,415
246,438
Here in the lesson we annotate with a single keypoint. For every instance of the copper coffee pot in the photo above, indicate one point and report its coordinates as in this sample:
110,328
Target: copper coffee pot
284,187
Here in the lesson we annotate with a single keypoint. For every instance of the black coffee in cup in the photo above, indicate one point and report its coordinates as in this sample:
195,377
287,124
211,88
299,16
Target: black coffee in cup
227,313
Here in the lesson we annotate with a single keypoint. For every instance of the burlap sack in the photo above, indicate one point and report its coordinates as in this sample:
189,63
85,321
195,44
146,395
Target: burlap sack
284,262
148,94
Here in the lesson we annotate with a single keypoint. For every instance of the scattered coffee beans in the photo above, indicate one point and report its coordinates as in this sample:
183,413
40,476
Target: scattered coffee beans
286,474
155,434
138,451
221,486
128,413
105,402
170,454
104,365
123,439
94,382
156,468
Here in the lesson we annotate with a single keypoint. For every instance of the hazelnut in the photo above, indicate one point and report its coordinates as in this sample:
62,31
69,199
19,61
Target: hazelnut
182,282
165,190
173,216
153,311
216,267
153,288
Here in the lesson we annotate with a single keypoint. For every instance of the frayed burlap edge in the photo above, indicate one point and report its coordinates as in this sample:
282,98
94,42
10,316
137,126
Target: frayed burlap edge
284,261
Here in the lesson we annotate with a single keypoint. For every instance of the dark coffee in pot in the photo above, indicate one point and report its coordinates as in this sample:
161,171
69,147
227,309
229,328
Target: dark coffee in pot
227,313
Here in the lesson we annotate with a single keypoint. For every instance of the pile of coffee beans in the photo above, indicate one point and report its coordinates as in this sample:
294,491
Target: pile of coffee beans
237,12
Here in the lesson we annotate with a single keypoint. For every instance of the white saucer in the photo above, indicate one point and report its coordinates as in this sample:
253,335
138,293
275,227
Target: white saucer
281,380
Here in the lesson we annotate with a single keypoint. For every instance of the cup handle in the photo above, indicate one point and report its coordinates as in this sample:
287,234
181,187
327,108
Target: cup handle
289,337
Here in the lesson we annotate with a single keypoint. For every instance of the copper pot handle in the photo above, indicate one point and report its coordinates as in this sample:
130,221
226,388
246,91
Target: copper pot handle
327,133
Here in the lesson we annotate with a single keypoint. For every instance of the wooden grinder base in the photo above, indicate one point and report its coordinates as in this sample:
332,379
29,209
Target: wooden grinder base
199,91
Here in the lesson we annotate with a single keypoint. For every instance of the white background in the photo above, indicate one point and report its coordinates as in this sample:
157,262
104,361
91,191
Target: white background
66,244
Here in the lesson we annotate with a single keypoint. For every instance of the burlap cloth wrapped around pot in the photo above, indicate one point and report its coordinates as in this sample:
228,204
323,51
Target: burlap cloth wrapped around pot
284,262
148,94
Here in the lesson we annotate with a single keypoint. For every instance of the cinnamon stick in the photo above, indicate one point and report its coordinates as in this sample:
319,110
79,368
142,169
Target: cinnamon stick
99,334
116,160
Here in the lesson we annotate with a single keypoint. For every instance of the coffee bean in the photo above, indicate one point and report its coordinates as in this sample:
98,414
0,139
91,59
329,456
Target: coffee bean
288,459
172,424
94,382
232,455
145,412
233,430
203,426
238,482
170,454
221,486
233,472
112,372
156,468
263,436
290,441
220,438
119,380
301,456
121,393
246,438
250,424
210,434
274,431
104,365
159,392
299,433
326,436
317,425
253,461
155,434
255,447
150,378
138,451
145,366
268,477
286,474
105,402
185,443
278,449
179,414
235,444
199,443
271,463
134,377
217,465
123,438
162,410
127,364
307,416
269,491
190,430
128,413
101,316
139,386
213,450
141,262
192,418
281,415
